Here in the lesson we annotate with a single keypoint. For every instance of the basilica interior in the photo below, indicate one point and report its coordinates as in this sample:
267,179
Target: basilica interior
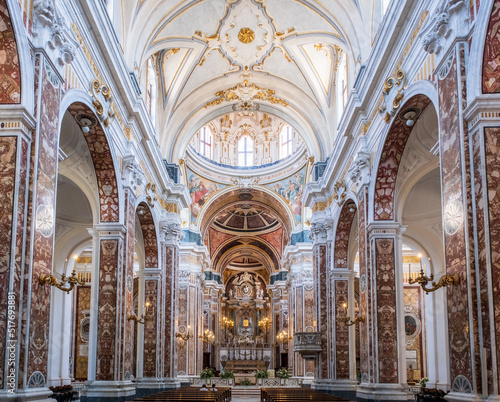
296,195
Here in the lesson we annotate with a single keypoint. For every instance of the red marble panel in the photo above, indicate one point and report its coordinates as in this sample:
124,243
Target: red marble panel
341,332
149,235
106,320
150,328
10,72
320,257
492,148
455,244
194,342
342,235
216,239
8,150
390,158
363,273
491,57
386,311
46,176
103,164
299,311
183,316
275,238
168,308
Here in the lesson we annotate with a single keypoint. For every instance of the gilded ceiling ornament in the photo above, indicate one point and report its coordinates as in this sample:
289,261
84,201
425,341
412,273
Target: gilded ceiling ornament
102,101
246,92
393,94
246,35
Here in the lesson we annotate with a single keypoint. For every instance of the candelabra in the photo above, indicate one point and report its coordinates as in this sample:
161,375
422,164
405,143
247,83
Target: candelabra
184,336
143,319
282,337
66,284
208,337
227,323
264,323
347,320
423,280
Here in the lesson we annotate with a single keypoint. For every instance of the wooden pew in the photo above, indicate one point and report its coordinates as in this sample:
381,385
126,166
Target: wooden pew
295,395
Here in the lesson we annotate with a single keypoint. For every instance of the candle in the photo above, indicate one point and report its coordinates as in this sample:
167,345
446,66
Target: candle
409,272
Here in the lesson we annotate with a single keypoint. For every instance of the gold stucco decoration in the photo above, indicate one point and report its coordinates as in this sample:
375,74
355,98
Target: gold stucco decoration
246,35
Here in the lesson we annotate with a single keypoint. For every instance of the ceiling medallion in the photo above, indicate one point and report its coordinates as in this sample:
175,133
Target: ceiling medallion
246,35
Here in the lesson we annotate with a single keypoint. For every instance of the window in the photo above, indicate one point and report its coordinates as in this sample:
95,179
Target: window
245,151
151,89
286,141
206,142
342,89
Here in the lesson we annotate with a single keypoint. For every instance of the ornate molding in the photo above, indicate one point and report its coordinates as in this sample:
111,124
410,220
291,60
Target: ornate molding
171,233
393,94
321,231
245,182
132,173
102,101
151,194
359,171
246,94
339,192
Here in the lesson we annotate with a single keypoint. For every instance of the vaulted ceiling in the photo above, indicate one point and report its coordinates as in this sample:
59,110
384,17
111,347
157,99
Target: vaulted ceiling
215,56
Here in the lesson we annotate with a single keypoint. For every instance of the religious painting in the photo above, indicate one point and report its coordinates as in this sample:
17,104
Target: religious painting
290,189
410,325
200,189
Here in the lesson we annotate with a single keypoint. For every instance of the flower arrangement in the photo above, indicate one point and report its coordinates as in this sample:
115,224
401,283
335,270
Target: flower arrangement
245,382
283,373
207,374
227,374
261,374
423,382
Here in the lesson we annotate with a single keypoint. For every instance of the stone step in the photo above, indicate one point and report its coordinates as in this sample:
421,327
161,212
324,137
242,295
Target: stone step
239,391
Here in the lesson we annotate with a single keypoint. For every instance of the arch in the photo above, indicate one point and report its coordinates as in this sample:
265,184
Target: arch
10,90
148,228
390,158
342,234
102,159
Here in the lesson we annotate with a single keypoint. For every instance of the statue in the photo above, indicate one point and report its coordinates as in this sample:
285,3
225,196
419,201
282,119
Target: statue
231,293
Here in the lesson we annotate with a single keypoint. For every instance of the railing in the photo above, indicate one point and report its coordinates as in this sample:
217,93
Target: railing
307,344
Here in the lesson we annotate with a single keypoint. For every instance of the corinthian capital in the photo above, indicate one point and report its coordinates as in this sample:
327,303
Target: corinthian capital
321,228
171,230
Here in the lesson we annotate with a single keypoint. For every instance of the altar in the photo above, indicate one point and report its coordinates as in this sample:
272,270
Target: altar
245,366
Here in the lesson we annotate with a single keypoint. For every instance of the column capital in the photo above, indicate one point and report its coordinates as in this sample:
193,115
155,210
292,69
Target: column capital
107,230
132,174
171,229
321,228
385,229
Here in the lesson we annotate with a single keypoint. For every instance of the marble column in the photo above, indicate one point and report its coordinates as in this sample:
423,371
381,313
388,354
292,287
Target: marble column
15,143
280,321
171,235
322,234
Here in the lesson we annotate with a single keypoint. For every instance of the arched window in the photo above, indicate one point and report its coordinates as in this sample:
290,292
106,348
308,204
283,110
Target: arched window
286,141
206,142
151,89
245,151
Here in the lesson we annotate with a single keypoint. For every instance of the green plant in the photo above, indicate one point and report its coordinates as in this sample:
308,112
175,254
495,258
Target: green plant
227,374
261,374
423,382
207,374
282,373
245,382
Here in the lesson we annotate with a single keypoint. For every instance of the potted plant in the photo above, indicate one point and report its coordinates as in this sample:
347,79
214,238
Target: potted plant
207,374
260,374
246,382
283,374
423,382
229,375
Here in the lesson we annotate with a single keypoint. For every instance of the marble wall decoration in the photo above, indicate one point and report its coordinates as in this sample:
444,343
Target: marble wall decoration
46,177
492,148
320,262
341,332
182,302
452,193
10,72
290,190
150,329
103,164
491,62
168,259
386,311
106,320
390,158
363,293
194,341
342,235
481,265
81,333
8,151
149,235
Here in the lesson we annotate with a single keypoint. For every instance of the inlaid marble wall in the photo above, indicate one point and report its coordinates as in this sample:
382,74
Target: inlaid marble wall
389,161
81,333
492,151
46,177
150,329
10,72
491,65
170,259
103,164
149,235
341,245
341,331
321,275
8,151
386,311
453,211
